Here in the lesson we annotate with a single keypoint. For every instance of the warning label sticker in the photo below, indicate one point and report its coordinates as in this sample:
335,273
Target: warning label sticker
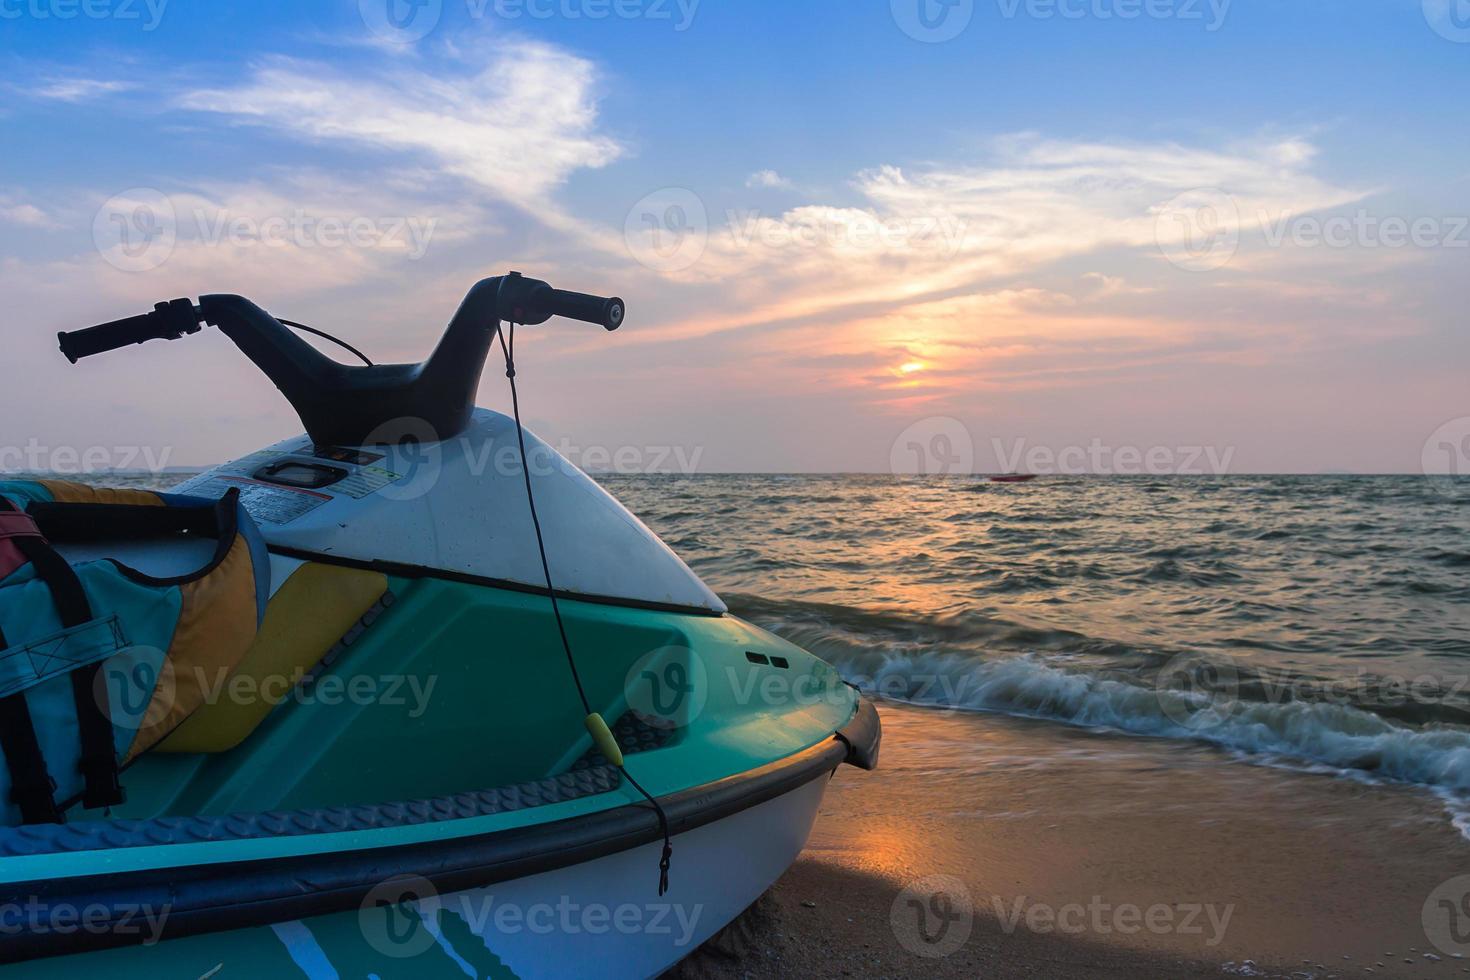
366,480
265,502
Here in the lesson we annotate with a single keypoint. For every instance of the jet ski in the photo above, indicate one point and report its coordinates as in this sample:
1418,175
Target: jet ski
407,694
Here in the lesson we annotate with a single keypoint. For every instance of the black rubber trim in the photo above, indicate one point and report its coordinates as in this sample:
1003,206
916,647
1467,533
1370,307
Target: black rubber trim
72,522
863,736
227,519
235,895
67,523
404,570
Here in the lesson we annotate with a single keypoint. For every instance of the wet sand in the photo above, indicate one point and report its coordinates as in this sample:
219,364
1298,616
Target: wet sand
1085,854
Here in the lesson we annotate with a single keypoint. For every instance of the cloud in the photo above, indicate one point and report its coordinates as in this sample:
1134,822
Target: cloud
79,89
17,212
516,127
1106,285
919,233
299,236
465,150
767,178
519,126
288,234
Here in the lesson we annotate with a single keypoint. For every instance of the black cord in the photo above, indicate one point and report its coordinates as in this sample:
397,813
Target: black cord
508,349
326,336
515,403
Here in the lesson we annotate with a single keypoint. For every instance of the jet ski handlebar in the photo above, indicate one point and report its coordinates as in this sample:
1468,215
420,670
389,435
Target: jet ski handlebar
168,321
542,302
383,403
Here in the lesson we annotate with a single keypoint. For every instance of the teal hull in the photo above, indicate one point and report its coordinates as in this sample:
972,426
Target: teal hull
469,689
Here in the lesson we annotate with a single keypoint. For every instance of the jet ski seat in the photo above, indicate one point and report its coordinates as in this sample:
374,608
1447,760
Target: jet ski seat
314,609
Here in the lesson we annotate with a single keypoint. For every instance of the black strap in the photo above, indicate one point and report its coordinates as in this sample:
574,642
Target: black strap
89,688
67,593
99,753
94,713
31,786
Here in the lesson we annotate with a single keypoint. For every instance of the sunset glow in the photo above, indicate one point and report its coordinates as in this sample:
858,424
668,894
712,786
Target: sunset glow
1070,267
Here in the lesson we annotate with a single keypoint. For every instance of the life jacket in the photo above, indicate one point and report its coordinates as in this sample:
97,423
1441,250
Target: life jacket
99,661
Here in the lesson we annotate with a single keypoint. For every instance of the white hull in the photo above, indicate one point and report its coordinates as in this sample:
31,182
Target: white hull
600,918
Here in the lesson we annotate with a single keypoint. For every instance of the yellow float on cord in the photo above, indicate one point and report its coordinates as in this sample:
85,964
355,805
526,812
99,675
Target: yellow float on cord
602,737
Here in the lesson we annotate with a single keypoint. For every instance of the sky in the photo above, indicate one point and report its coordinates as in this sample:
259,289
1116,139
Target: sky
1114,236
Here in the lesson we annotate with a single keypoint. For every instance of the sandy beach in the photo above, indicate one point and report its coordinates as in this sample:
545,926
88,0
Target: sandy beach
1087,854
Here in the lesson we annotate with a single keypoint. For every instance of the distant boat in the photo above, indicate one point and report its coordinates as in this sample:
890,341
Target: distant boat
1012,477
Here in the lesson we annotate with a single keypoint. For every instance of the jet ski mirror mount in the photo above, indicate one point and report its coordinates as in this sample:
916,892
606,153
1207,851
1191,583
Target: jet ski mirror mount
341,404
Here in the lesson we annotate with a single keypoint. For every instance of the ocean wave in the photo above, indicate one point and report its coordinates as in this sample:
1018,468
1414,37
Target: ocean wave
1455,559
1336,735
973,662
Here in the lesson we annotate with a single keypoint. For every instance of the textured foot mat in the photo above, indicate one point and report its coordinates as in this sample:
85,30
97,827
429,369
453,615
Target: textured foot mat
589,776
104,834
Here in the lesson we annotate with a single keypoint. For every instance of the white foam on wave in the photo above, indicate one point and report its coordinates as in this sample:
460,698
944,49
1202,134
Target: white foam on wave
1335,735
1457,807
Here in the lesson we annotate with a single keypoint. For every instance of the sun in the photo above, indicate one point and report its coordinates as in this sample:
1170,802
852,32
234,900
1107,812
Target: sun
910,367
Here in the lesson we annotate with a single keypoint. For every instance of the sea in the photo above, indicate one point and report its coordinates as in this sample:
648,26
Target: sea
1318,622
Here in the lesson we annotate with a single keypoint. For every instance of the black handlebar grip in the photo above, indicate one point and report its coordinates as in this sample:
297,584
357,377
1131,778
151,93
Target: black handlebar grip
168,321
606,311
